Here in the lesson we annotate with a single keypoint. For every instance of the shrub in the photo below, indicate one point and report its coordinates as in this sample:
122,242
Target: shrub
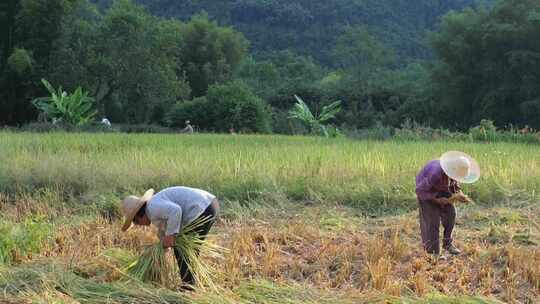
226,106
233,105
21,61
315,123
411,130
75,109
196,111
486,131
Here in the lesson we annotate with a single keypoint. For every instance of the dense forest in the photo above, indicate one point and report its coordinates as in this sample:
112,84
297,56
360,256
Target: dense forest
238,64
311,27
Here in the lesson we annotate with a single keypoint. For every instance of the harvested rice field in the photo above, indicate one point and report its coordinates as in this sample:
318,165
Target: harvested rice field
303,220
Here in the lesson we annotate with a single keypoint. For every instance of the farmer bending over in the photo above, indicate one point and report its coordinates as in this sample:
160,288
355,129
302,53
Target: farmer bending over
436,183
170,210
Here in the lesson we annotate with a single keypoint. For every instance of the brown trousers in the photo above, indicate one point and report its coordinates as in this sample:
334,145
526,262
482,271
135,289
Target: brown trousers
431,217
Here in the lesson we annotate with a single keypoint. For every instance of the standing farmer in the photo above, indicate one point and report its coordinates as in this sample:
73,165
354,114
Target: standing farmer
170,210
435,184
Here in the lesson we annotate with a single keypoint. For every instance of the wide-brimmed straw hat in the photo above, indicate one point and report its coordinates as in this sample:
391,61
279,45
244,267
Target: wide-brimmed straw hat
460,167
132,204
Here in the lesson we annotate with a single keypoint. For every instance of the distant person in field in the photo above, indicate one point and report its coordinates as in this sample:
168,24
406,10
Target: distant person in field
170,210
188,128
106,122
437,188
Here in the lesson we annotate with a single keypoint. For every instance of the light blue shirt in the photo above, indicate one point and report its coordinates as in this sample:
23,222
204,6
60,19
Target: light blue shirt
173,208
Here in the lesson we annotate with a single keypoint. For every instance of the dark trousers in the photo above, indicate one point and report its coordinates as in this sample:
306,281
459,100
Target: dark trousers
431,217
201,231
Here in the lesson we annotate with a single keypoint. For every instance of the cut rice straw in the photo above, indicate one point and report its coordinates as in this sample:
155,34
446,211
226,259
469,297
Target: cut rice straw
153,265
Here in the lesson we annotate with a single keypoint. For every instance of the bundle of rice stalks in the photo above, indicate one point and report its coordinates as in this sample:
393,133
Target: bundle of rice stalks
460,198
189,245
153,265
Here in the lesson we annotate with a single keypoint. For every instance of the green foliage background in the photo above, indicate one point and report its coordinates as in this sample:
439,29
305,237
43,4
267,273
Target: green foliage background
387,61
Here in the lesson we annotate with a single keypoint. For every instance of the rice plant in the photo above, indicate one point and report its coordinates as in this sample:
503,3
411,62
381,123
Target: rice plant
372,176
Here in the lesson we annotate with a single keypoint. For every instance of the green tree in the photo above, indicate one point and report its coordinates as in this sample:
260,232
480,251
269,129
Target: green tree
128,59
362,64
29,29
489,64
8,11
133,68
210,54
278,77
311,27
412,89
361,57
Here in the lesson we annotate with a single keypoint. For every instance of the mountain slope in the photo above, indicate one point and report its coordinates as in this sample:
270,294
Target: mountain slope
311,27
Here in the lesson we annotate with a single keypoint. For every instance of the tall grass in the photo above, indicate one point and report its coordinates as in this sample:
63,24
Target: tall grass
370,175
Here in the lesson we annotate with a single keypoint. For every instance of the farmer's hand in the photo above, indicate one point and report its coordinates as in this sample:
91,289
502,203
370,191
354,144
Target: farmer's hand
462,197
443,201
169,241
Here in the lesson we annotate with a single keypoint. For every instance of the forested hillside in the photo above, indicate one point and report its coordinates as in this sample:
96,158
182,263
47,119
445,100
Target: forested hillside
311,27
240,65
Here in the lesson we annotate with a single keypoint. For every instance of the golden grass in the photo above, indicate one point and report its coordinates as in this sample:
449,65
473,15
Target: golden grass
295,250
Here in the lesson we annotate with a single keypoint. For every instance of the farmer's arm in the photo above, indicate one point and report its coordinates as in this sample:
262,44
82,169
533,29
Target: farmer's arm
174,219
171,213
424,188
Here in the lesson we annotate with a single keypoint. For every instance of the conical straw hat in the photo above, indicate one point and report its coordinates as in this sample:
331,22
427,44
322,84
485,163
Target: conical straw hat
460,167
132,204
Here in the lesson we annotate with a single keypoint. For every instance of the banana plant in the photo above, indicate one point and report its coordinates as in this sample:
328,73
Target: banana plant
75,109
314,123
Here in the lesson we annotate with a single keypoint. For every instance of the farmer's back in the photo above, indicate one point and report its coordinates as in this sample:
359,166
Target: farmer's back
192,201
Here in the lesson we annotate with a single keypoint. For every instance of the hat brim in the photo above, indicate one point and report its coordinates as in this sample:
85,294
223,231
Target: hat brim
474,170
143,200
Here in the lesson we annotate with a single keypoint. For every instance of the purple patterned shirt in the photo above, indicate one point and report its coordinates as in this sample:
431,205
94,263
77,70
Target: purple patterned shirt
432,181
